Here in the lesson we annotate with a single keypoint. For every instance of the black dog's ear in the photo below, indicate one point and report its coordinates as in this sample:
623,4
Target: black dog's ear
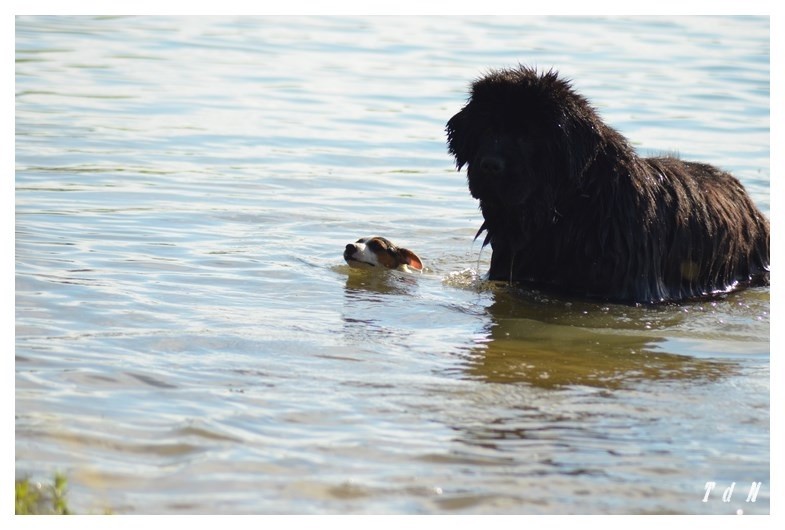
458,137
582,142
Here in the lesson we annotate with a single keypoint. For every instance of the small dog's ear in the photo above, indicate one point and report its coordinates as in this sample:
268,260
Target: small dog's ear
411,259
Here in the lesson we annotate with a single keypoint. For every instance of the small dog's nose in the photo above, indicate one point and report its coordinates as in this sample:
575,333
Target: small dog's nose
349,248
492,165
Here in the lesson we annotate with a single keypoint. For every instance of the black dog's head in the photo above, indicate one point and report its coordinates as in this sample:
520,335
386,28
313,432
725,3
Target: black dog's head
524,137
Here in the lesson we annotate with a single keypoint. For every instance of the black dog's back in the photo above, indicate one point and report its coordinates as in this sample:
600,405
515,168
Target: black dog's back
720,239
568,203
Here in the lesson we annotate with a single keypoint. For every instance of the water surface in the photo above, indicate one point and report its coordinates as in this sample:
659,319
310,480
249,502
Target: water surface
189,340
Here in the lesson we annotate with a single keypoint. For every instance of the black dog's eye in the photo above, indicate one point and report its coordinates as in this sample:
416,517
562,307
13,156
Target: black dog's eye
524,145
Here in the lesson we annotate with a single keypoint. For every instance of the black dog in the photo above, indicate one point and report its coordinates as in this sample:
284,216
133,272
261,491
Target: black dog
569,205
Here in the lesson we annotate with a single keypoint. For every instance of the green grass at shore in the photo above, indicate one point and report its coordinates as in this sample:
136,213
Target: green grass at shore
33,498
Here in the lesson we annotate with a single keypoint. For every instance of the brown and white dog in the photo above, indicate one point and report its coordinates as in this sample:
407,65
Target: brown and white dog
377,251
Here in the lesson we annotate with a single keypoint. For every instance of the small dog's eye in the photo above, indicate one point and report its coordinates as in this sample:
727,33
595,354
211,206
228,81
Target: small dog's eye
375,245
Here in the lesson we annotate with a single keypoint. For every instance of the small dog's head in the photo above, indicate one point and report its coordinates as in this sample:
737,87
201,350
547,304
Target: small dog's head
379,252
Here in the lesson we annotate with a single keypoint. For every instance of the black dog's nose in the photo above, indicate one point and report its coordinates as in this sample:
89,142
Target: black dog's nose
492,165
350,248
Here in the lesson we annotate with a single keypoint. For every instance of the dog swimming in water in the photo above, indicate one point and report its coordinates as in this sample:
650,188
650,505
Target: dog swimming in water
376,251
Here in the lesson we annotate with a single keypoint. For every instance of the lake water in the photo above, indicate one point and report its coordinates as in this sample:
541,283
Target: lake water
189,339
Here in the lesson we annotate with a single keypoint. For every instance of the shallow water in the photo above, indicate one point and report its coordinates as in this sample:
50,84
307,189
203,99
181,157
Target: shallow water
189,340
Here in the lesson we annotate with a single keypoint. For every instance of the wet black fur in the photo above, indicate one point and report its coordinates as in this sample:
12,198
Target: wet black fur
568,204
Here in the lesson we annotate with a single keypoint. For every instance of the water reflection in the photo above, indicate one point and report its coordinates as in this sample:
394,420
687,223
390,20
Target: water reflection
554,343
367,294
362,281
